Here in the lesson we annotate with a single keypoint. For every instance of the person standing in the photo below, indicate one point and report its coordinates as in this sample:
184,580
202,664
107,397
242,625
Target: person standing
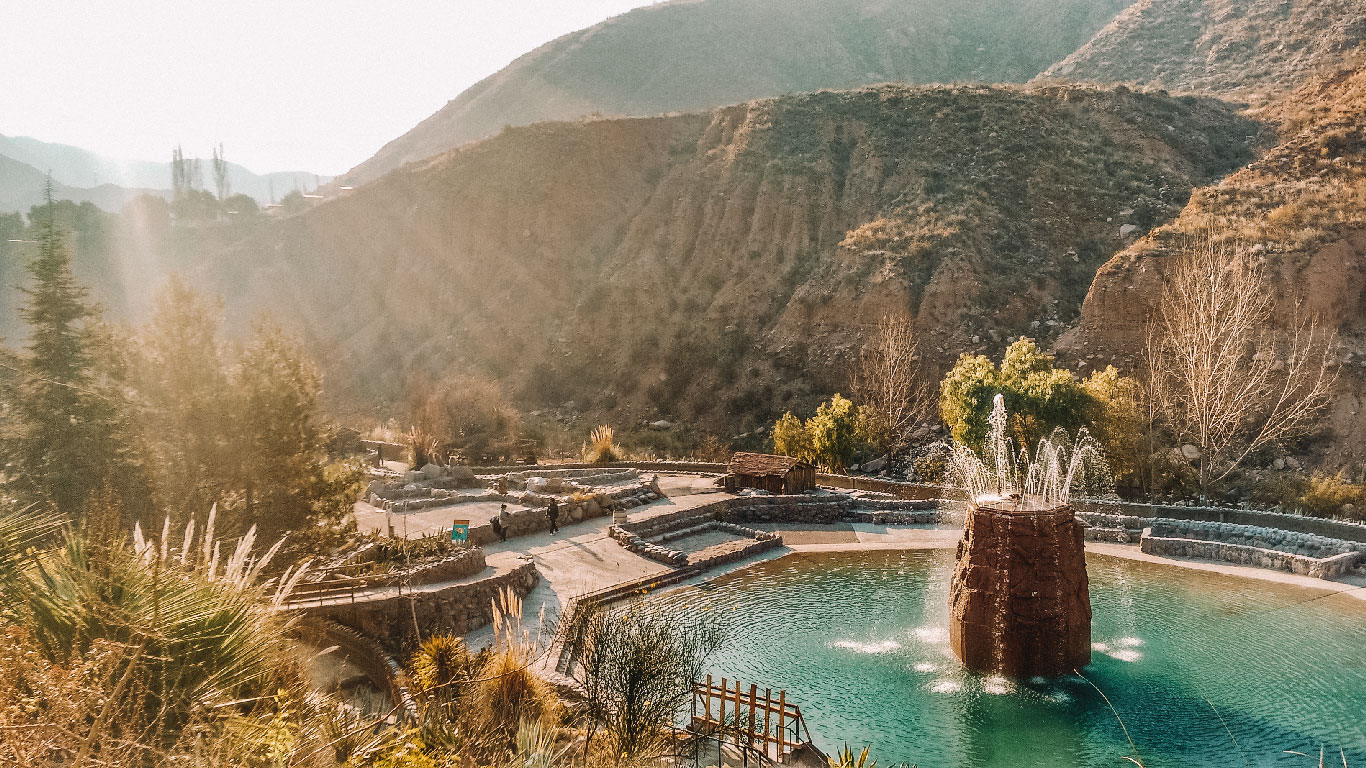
553,512
499,524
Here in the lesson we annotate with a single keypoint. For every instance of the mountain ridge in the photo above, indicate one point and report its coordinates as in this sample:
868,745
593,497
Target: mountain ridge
674,57
764,238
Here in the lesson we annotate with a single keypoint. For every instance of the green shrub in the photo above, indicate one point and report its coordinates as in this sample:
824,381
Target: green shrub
1328,494
830,438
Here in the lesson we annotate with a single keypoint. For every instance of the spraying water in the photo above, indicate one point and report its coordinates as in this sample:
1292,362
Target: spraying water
999,476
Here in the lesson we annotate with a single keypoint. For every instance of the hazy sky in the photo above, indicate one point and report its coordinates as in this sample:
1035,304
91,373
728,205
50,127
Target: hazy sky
284,84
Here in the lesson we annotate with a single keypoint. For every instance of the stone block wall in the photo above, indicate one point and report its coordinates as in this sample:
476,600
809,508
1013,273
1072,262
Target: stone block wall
1290,542
457,610
1242,554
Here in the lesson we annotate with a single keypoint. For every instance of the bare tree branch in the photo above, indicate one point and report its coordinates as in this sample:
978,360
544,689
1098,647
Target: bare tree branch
889,381
1223,377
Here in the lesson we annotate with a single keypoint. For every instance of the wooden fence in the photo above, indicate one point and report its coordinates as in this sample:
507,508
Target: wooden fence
757,722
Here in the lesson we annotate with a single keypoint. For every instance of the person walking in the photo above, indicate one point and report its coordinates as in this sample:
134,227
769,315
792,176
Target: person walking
553,512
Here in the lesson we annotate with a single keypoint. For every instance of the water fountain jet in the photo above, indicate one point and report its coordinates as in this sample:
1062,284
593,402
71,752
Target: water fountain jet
1020,598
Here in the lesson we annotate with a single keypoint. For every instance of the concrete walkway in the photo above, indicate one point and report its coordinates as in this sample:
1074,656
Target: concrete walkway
581,558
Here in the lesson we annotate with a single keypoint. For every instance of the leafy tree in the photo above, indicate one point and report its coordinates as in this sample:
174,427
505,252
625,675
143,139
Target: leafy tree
185,414
293,203
836,433
195,205
220,173
830,438
1040,398
242,206
1116,419
282,454
790,438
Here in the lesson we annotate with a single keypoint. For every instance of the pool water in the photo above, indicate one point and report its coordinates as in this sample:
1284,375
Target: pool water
1203,669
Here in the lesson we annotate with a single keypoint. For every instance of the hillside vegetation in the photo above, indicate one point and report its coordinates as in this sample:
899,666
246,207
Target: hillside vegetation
683,56
1246,49
724,265
1302,207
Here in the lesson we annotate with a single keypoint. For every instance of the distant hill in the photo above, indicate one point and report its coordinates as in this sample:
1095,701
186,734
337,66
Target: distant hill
1247,49
727,264
1302,207
22,186
82,168
686,56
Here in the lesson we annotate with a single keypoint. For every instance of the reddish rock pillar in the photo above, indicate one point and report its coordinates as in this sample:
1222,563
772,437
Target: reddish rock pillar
1020,602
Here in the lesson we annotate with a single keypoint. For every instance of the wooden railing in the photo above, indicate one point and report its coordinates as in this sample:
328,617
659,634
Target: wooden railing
754,721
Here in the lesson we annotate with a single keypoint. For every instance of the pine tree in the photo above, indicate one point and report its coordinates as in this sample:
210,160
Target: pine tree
69,433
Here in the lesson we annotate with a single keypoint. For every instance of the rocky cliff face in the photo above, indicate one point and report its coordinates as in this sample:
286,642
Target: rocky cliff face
1302,208
1246,49
1020,600
723,266
682,56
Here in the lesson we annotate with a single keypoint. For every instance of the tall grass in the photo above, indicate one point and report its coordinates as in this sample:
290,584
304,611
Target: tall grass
602,448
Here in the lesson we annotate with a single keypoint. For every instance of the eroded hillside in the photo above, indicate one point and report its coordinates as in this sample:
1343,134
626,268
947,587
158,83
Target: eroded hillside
1245,49
1302,207
721,266
683,56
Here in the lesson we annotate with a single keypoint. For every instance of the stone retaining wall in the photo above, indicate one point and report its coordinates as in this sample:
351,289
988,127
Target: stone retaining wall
1337,529
457,609
1242,554
1290,542
458,566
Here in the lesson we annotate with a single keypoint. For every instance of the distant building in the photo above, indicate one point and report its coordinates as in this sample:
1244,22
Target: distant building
766,472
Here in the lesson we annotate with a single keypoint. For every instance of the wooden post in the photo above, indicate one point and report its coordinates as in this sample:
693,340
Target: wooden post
753,695
721,716
782,713
707,700
737,713
768,707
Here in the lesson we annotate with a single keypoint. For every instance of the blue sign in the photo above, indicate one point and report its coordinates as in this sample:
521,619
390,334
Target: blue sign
460,530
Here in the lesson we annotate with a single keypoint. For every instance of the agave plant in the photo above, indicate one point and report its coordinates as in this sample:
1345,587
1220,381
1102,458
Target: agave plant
198,630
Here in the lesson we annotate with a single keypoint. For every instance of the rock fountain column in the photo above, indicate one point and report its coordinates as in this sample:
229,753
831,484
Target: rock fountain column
1020,600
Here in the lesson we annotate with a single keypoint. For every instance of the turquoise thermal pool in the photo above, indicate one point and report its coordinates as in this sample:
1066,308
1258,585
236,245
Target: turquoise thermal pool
1204,669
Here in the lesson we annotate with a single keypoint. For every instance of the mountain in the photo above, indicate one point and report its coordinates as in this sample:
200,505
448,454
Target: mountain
726,264
22,186
1302,207
687,56
1246,49
82,168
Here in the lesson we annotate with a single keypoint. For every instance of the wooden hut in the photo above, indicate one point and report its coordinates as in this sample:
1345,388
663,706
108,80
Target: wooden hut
775,474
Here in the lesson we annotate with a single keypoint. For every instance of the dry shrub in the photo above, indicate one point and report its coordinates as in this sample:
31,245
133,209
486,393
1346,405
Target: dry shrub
507,693
1328,494
464,414
602,448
